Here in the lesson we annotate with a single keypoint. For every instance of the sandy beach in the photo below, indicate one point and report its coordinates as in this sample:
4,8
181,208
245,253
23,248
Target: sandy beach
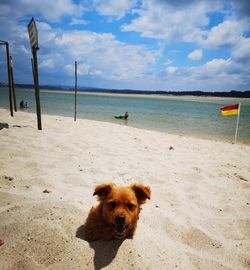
198,216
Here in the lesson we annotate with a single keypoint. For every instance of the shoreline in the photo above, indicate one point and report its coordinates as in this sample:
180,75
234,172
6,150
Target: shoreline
191,136
204,121
198,216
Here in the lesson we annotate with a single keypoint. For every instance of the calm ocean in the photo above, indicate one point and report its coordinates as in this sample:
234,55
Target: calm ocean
185,116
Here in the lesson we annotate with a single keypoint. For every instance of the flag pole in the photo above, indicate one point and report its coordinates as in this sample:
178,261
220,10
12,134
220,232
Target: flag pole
237,125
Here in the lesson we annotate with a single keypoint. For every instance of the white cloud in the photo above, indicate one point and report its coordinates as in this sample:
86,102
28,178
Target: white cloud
23,50
168,62
48,63
75,21
51,60
12,31
215,75
171,70
163,20
226,34
186,21
113,7
49,10
241,52
241,8
105,55
195,55
4,9
82,69
45,33
216,66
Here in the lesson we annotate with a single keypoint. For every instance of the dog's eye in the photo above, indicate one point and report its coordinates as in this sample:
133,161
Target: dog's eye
112,204
131,206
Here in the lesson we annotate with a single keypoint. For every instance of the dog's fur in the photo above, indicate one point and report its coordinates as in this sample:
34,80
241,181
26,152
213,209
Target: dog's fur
116,215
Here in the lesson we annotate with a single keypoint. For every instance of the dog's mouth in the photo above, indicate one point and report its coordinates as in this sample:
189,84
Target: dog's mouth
120,230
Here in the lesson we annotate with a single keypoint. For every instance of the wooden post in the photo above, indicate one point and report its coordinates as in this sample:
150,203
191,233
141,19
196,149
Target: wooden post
36,85
33,35
13,83
32,65
75,87
9,77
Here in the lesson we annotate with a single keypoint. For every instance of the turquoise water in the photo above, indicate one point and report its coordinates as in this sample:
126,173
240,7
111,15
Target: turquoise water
185,116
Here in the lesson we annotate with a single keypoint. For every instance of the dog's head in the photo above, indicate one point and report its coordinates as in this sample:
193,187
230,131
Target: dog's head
121,206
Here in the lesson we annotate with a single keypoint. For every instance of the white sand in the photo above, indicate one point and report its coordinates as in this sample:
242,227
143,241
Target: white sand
198,216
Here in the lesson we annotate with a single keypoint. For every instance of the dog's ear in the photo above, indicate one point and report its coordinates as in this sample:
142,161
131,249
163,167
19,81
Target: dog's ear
103,190
141,192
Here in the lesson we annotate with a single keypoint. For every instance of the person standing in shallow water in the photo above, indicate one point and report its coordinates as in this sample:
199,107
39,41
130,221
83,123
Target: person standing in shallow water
21,104
126,115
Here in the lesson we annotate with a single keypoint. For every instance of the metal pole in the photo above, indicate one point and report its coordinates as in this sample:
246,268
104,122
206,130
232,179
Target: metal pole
12,83
9,77
36,85
75,87
237,125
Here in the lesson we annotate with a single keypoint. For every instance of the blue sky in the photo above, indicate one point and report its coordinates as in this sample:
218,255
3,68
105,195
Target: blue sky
128,44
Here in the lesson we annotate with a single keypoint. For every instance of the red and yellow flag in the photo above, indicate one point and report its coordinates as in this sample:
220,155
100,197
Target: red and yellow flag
230,110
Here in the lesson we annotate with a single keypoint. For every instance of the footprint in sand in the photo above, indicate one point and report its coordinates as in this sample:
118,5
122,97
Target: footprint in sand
240,177
33,166
191,236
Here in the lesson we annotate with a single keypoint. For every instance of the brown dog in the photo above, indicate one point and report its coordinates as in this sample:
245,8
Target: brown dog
115,217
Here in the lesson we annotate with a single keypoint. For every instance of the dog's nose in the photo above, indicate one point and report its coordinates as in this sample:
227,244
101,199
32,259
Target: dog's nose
120,219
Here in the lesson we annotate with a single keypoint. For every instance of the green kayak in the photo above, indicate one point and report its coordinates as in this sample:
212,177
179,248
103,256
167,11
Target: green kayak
119,116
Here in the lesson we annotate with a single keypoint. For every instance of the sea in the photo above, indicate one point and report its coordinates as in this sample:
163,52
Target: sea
187,116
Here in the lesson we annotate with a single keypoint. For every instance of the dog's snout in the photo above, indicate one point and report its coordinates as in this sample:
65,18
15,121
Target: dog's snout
120,219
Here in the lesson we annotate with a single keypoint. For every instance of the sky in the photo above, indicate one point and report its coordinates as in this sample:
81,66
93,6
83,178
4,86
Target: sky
182,45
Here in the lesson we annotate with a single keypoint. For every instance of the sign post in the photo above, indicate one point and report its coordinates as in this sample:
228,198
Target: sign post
13,83
33,35
2,42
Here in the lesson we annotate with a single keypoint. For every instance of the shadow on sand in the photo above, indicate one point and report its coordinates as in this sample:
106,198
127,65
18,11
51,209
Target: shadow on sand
3,125
105,251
